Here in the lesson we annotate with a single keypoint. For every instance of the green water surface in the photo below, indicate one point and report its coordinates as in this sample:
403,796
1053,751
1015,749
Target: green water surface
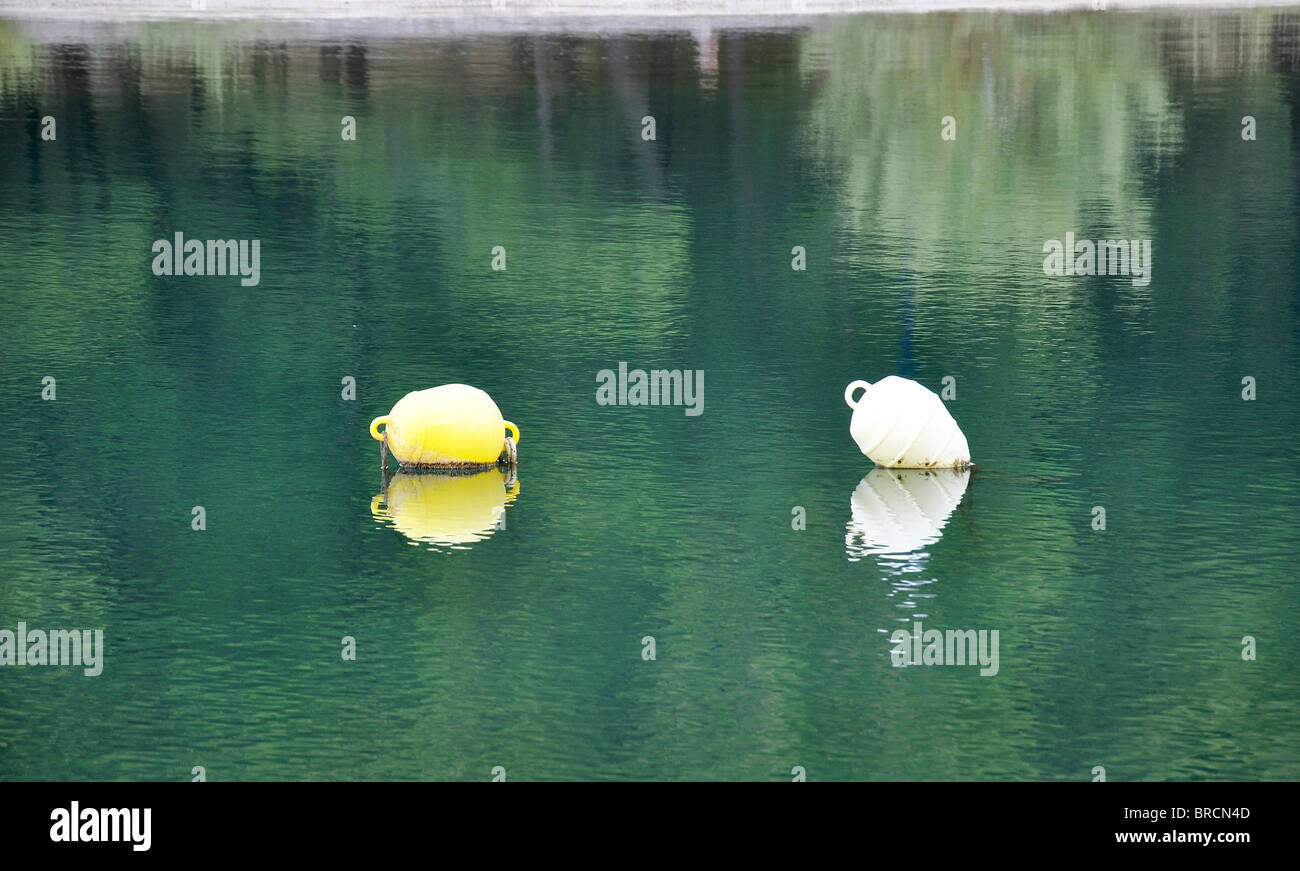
522,645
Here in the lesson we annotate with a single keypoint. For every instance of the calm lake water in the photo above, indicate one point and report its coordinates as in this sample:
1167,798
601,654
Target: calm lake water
506,629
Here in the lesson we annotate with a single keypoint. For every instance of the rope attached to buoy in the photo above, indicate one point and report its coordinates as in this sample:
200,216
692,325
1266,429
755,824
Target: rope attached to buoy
510,455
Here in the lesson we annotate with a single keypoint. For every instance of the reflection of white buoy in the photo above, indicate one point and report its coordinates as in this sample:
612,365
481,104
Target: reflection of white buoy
901,425
899,511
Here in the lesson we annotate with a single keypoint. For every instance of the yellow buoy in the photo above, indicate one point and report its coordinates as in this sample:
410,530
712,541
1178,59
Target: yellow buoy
451,425
448,508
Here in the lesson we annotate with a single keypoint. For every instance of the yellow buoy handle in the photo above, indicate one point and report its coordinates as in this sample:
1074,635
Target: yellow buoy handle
374,427
848,392
514,430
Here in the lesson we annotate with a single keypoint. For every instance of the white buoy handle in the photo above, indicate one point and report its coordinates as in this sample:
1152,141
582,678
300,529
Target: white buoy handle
848,392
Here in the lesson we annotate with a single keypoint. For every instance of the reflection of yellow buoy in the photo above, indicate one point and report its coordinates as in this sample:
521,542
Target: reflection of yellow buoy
445,509
901,425
899,511
451,425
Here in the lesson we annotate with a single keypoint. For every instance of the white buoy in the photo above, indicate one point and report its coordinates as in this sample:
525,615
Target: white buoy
901,425
895,511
